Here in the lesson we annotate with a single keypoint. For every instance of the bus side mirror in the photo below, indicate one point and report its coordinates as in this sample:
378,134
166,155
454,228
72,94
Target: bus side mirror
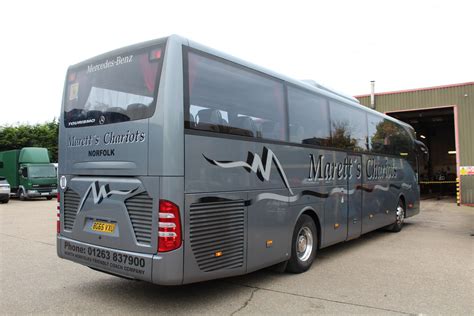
422,149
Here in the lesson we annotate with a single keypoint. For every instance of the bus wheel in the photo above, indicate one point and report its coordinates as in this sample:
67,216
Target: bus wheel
304,245
399,218
49,198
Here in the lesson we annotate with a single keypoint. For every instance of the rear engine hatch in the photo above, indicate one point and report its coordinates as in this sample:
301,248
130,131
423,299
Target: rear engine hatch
118,213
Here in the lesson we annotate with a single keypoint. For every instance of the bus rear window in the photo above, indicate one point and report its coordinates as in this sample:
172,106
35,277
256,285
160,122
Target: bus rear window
117,89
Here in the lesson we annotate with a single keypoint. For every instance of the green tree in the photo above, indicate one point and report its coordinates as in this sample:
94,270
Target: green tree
341,135
39,135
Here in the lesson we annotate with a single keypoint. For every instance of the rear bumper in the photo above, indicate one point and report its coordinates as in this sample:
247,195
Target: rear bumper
162,268
35,193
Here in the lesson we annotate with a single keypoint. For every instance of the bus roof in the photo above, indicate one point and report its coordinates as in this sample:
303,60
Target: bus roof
305,84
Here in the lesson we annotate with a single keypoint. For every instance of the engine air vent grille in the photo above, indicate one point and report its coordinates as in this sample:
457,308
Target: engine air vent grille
71,204
140,211
217,234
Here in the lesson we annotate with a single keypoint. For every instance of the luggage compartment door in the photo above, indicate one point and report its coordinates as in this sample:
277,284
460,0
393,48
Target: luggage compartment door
215,235
354,198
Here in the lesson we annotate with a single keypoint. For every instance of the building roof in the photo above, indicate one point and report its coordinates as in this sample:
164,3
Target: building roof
419,89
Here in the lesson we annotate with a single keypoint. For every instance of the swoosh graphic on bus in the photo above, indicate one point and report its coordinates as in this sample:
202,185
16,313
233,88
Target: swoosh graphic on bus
102,192
406,186
262,167
379,187
284,198
296,197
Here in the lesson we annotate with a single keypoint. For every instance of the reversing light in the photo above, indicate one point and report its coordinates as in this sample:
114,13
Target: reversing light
62,182
169,226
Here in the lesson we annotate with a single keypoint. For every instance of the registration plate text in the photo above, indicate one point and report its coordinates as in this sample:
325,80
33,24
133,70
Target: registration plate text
103,227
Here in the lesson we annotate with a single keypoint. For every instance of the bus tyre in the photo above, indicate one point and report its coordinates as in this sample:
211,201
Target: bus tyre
303,246
49,198
399,218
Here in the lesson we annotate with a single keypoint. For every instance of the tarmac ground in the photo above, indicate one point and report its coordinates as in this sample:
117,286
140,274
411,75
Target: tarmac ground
427,268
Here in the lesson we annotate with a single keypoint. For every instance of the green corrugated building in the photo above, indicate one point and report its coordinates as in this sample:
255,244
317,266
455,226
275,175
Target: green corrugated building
443,118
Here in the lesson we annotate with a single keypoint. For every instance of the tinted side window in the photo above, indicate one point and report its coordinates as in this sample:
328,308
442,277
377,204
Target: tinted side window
308,117
377,140
225,98
401,141
348,127
387,137
403,145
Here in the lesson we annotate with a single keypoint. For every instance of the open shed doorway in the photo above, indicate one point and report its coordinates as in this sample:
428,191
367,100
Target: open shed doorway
436,127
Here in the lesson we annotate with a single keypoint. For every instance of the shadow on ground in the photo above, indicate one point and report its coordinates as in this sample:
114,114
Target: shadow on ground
197,297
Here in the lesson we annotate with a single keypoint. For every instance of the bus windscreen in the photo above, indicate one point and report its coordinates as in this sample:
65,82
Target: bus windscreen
112,90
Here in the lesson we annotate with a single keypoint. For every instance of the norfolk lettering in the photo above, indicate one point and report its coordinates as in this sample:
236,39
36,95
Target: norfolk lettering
101,152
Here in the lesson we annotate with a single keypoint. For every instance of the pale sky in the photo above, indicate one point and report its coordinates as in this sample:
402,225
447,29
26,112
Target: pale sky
341,44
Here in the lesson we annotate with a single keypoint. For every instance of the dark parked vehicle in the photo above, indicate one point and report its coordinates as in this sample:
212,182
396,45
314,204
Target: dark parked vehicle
4,190
29,172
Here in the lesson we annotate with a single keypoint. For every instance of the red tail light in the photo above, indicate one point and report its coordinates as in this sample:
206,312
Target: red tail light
169,227
58,214
71,77
155,54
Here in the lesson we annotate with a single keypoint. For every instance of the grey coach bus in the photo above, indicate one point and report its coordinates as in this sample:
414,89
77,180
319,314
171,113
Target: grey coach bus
179,164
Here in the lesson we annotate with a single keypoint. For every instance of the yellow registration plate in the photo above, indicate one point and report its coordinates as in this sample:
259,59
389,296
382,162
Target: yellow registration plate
103,227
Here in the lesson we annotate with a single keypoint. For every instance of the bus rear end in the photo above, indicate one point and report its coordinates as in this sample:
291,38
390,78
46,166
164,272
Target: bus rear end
121,163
